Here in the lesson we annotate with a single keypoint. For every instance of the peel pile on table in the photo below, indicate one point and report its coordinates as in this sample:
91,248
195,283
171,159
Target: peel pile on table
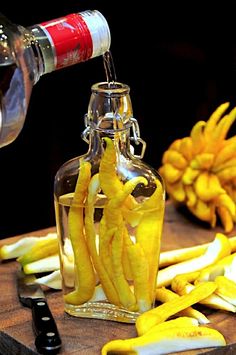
37,255
200,170
203,274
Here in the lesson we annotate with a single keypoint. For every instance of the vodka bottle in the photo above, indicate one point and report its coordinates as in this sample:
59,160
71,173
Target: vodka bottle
28,53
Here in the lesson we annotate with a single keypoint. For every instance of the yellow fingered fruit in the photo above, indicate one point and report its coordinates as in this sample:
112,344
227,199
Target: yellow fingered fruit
200,170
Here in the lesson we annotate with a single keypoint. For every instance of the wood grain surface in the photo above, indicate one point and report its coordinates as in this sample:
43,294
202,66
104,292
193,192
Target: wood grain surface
87,336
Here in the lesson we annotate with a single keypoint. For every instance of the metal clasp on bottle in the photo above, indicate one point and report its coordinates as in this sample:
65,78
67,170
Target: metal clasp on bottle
86,131
136,138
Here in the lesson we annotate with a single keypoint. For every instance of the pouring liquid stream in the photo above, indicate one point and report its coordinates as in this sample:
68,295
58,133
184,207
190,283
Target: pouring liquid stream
109,69
111,77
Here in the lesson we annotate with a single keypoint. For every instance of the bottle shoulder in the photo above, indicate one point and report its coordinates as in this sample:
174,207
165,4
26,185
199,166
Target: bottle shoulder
68,168
133,166
125,170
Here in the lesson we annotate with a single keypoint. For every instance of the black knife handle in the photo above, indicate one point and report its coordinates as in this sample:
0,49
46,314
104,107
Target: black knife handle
47,339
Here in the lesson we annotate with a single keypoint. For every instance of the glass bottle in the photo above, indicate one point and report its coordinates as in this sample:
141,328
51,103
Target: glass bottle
28,53
109,208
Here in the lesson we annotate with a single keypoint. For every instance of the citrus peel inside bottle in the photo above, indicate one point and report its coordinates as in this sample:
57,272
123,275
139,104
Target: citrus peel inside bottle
109,208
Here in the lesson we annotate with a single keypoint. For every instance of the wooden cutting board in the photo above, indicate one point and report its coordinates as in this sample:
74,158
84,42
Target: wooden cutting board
87,336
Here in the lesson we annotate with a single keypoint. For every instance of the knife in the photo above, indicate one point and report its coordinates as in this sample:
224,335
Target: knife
47,339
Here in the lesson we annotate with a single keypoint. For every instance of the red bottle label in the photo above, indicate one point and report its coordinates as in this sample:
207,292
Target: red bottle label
70,38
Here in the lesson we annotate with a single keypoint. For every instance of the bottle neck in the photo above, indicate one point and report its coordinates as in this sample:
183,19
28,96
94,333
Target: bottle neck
110,114
121,139
69,40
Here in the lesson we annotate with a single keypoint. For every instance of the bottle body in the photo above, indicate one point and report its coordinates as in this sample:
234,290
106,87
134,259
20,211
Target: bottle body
28,53
109,209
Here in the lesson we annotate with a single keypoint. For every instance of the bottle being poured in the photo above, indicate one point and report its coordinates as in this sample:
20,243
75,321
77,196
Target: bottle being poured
28,53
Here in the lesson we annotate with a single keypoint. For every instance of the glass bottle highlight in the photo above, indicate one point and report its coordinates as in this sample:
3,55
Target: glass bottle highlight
109,209
28,53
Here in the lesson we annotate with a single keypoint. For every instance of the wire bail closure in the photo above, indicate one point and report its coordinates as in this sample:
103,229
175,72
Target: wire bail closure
135,137
86,131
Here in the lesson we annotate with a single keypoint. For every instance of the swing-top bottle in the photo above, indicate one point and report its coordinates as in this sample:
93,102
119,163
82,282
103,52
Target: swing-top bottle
109,208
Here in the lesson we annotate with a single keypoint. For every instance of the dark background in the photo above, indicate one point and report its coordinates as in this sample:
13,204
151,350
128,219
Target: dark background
179,60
